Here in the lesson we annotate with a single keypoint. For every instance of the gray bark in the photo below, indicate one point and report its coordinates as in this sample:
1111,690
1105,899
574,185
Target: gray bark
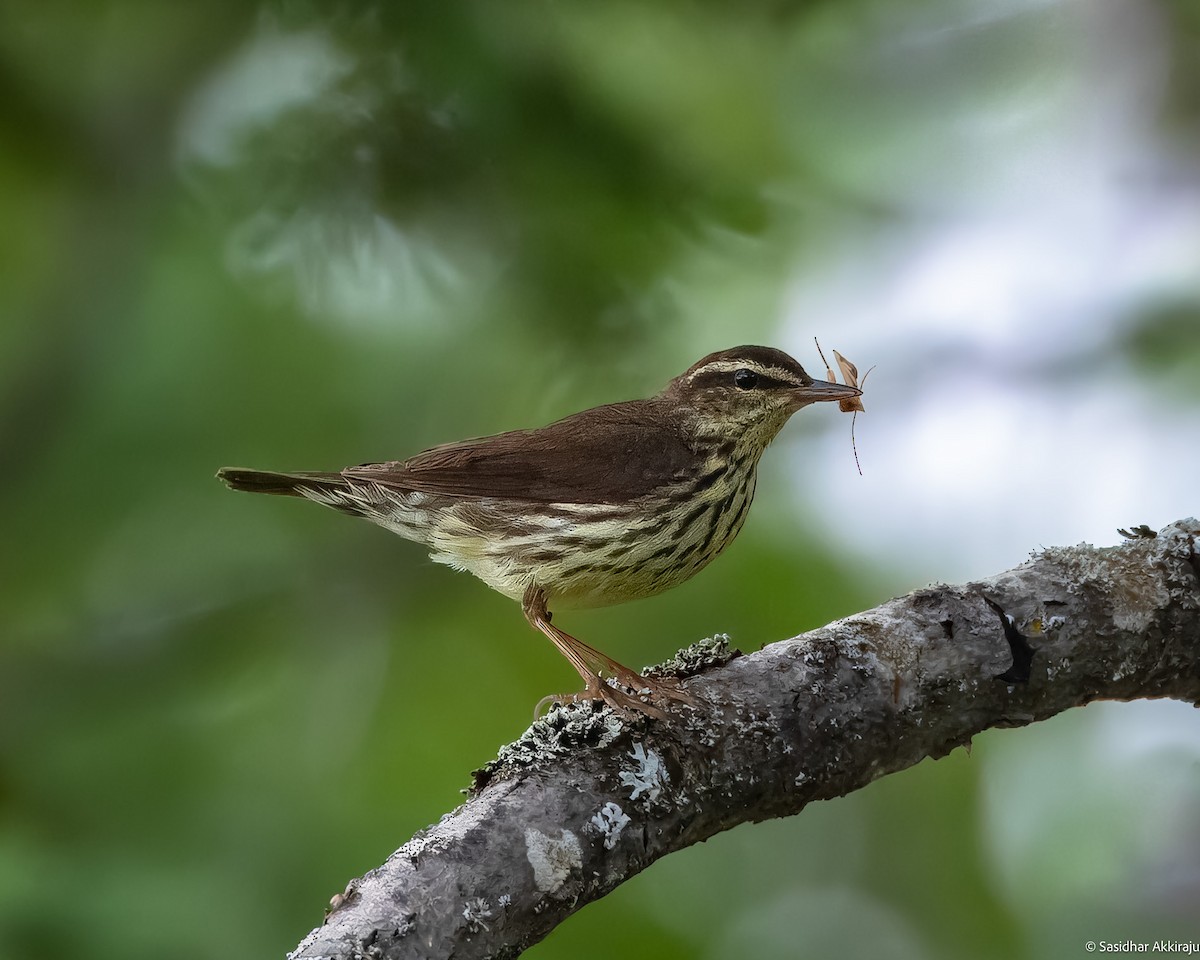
586,799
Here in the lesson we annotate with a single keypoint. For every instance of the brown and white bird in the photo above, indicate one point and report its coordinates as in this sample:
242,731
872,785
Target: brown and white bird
614,503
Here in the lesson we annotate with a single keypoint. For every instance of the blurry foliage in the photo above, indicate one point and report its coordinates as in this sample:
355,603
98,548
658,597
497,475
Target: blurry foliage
1166,341
308,234
581,147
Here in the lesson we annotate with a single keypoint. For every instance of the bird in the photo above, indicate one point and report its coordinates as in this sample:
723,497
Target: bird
611,504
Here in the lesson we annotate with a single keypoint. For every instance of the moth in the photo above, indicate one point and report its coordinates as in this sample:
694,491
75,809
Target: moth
854,404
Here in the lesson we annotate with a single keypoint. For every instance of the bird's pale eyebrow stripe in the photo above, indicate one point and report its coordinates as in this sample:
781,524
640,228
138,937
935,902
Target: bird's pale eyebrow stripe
779,374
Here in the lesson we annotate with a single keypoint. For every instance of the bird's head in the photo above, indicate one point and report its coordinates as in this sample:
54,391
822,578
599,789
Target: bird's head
748,390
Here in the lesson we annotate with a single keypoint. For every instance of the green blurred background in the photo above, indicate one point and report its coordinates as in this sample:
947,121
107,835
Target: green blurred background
306,234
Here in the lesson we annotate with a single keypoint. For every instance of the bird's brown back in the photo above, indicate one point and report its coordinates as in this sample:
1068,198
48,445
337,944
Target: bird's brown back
609,454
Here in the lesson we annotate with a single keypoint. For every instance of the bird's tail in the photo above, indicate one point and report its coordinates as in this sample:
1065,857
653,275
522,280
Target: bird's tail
281,484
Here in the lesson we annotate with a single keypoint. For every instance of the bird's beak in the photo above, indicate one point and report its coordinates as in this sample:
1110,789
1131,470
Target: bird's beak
820,390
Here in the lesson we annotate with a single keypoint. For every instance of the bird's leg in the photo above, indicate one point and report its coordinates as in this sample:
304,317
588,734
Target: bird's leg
593,666
534,607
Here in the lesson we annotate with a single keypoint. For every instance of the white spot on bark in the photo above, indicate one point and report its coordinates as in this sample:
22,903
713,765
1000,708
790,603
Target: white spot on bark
476,912
610,821
552,858
648,777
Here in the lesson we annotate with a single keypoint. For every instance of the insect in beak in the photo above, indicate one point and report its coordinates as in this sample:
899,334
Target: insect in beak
851,404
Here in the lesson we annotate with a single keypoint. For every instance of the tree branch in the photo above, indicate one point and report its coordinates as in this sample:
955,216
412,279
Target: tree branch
586,799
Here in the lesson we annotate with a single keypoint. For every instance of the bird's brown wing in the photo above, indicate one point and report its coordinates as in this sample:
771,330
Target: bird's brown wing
609,454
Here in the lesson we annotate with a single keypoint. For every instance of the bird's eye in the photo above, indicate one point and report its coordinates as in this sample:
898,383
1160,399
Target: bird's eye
745,379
